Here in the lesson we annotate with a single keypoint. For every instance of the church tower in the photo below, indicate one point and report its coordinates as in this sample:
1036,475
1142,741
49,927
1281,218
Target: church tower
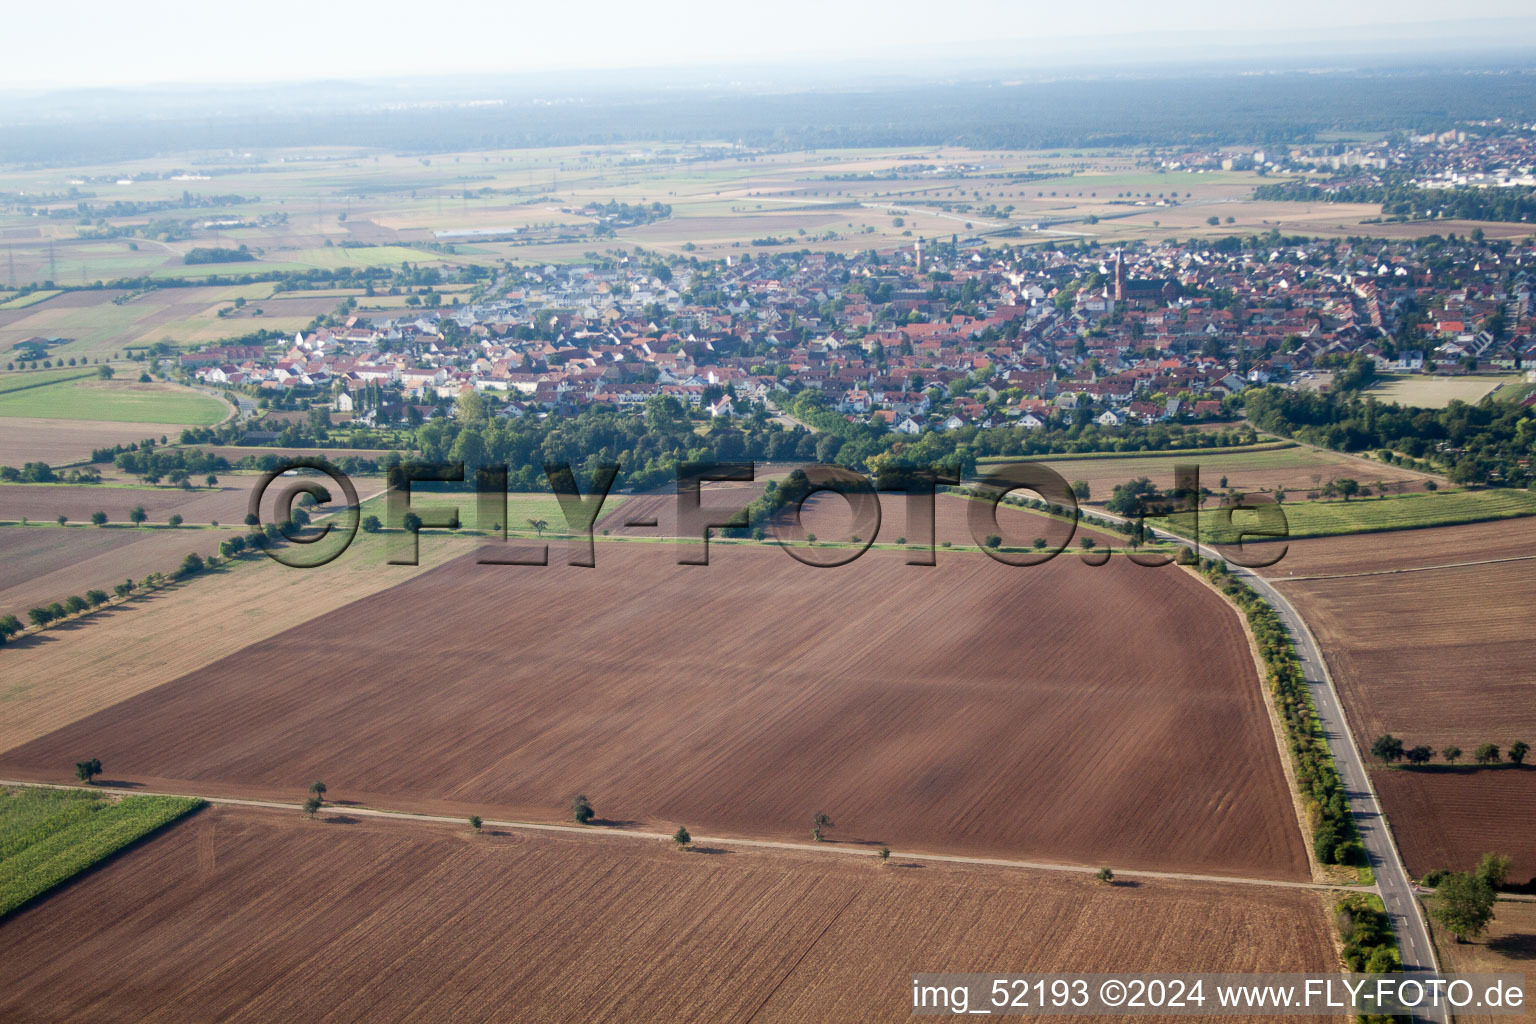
1119,277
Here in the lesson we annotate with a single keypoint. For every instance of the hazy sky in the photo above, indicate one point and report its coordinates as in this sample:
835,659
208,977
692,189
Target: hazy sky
92,42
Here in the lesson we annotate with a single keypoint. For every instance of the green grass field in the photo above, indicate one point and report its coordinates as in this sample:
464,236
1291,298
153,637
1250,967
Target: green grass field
13,382
47,836
1375,515
114,401
30,299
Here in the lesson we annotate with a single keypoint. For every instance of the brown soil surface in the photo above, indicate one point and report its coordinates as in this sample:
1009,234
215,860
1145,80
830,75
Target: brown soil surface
246,915
1055,712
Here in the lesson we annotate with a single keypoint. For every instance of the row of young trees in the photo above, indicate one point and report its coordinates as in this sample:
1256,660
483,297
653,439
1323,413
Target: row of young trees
1334,839
1388,749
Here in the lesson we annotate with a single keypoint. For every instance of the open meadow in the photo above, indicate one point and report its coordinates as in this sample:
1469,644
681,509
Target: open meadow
119,401
422,922
1021,729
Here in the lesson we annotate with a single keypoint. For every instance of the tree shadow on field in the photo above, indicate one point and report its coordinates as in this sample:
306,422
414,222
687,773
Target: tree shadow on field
1516,947
1125,883
612,823
341,819
118,784
708,851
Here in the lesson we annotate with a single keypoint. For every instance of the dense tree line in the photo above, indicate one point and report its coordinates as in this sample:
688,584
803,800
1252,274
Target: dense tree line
1399,199
1474,444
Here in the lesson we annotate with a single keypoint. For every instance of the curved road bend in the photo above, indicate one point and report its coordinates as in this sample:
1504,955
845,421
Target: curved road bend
1365,808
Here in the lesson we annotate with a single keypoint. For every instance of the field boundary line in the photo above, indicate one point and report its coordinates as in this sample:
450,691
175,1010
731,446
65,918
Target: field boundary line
1395,572
701,840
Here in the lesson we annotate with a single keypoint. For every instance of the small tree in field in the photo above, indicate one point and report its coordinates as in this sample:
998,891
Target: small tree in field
1487,753
475,822
317,790
581,809
820,824
1419,755
311,806
681,837
62,520
1517,752
884,854
175,519
98,519
1105,875
1387,748
138,515
1451,754
539,525
85,771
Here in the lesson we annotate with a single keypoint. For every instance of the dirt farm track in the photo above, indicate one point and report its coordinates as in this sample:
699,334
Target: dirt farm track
257,916
1058,712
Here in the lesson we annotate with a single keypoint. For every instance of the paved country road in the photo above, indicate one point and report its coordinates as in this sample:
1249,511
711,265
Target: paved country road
1364,806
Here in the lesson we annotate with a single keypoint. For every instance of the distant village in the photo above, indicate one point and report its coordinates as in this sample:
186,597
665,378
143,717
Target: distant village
935,336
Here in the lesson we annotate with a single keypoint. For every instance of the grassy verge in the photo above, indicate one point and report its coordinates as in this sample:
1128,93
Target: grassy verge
48,836
1369,515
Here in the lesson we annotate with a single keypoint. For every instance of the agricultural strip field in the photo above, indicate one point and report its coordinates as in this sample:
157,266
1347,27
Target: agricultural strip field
429,923
1371,515
1509,947
1438,657
226,504
1298,470
40,565
156,638
115,401
63,441
1406,549
1449,818
1061,712
49,836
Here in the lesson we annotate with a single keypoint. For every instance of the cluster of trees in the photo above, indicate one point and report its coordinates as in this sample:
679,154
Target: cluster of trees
42,473
1489,443
178,466
214,255
1334,839
1388,749
1463,901
1369,943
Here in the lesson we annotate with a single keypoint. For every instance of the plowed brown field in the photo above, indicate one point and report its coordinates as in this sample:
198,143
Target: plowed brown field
1439,657
1405,549
1450,818
1058,712
39,565
242,915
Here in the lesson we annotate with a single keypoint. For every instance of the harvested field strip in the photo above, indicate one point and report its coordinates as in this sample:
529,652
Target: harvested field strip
1005,735
1166,453
49,836
1410,568
1431,546
425,923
